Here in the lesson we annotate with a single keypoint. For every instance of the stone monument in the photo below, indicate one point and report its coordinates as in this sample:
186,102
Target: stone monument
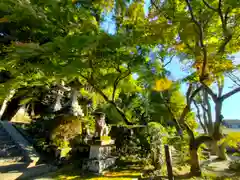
101,146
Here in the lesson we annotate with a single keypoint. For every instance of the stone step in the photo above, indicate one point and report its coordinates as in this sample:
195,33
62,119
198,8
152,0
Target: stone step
11,159
10,152
13,167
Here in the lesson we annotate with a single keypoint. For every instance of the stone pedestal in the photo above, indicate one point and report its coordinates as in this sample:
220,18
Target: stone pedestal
100,156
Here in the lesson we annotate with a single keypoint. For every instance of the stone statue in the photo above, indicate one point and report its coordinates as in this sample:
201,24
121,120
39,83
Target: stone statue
101,128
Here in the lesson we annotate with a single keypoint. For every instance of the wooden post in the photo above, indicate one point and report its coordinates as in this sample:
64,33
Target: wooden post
168,162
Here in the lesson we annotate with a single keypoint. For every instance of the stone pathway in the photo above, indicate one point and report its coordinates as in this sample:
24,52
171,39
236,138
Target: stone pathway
16,158
10,153
219,168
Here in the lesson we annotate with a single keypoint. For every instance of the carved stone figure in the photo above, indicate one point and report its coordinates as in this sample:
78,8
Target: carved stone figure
101,128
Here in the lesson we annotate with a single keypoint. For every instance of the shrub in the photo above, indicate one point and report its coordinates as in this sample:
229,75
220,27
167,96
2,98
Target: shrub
233,142
157,137
65,129
51,133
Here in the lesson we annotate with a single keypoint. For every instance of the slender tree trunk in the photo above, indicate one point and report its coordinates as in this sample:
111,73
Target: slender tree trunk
5,102
194,161
214,147
194,144
209,113
218,120
220,151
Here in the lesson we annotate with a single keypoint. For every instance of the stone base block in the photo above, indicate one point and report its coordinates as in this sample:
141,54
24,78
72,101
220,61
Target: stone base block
100,152
98,165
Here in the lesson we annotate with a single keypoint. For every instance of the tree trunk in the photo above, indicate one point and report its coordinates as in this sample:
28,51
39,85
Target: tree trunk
194,144
218,120
193,147
194,162
209,113
220,151
5,102
214,147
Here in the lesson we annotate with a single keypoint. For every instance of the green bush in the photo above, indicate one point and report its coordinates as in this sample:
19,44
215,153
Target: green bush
51,133
65,129
157,137
233,140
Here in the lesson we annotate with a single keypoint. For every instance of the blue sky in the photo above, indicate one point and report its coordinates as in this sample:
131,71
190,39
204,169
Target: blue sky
231,106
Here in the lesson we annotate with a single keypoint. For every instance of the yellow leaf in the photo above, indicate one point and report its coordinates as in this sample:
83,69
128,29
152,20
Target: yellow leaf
162,84
180,47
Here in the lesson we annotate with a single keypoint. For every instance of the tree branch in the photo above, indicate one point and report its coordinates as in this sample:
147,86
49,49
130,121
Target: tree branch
209,6
194,94
204,108
189,47
227,34
226,14
199,116
177,125
191,13
171,58
107,100
201,38
157,8
188,93
117,80
189,101
210,92
234,78
227,95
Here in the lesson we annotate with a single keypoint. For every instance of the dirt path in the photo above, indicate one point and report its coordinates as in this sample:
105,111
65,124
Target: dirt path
219,168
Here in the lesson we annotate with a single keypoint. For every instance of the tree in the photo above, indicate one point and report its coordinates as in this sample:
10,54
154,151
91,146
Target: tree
210,54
